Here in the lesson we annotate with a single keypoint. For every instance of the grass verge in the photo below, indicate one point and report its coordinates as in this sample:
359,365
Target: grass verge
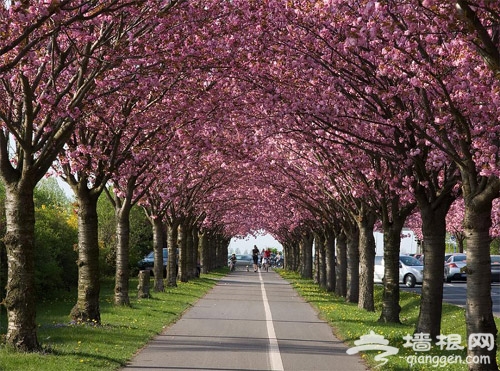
123,332
349,323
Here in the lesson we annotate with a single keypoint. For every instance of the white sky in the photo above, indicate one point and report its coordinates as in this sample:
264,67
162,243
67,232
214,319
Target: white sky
246,245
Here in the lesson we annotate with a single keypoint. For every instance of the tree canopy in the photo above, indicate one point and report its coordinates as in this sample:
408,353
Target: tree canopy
243,116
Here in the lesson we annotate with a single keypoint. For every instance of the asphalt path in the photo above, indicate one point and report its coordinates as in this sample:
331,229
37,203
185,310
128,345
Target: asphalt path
456,293
248,321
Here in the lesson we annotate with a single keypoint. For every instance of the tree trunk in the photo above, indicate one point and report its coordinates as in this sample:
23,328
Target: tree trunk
479,315
122,252
286,252
172,253
390,297
434,232
190,265
330,261
300,256
87,305
460,238
204,253
317,248
143,287
158,245
295,256
183,254
366,224
291,256
20,295
306,248
212,251
223,250
212,248
219,248
195,242
353,266
319,260
341,265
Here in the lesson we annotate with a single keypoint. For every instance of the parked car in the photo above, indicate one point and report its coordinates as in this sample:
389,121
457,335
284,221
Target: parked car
149,260
455,268
410,270
495,268
242,260
418,256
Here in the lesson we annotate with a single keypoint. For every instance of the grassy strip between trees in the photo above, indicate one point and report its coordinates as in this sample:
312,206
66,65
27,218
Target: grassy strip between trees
349,323
123,332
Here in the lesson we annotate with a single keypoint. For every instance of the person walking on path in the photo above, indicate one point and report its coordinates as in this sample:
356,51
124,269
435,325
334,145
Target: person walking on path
278,260
255,256
266,256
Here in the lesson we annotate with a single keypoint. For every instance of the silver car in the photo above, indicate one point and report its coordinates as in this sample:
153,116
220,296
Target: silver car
242,261
495,268
410,270
455,268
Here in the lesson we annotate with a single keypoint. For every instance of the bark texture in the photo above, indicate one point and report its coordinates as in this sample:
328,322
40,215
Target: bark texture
204,253
353,266
20,290
366,223
183,253
479,315
390,296
431,302
87,305
122,212
341,265
319,261
330,261
158,245
306,245
172,254
197,250
143,287
191,253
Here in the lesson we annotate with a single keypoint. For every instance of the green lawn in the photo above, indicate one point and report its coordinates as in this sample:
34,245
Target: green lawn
124,330
349,323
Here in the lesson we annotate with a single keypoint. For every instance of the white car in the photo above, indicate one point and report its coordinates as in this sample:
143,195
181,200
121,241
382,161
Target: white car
455,268
410,270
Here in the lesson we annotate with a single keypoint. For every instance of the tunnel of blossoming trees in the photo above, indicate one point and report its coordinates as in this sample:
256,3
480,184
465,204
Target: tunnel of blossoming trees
318,122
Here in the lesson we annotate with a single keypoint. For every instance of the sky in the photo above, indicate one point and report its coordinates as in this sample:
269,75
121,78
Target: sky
66,188
246,245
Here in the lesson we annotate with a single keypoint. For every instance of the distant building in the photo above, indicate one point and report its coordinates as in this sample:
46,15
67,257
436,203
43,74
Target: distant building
408,243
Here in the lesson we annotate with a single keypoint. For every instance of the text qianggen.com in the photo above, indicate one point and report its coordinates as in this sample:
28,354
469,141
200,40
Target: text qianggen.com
443,361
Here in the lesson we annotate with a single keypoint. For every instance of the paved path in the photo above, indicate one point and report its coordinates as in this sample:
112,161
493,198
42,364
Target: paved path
248,321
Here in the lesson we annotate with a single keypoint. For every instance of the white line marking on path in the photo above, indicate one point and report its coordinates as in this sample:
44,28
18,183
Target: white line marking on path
274,349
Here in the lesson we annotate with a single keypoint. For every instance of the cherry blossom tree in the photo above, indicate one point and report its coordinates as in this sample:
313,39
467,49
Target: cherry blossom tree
421,80
52,56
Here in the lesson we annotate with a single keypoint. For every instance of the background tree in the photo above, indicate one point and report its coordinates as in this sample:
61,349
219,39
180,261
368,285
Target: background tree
55,240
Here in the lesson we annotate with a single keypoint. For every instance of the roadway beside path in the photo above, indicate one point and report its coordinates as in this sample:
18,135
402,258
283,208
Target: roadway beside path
456,293
248,321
